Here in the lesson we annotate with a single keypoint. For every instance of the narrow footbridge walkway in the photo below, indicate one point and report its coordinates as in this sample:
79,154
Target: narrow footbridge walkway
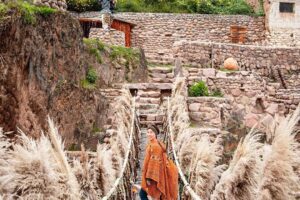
115,191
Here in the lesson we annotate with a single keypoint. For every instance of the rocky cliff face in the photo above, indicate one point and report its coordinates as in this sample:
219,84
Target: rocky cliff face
42,66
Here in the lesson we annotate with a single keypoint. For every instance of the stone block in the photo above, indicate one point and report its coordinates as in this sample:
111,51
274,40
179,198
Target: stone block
272,109
236,92
153,94
221,74
209,72
150,117
194,107
251,119
158,75
197,116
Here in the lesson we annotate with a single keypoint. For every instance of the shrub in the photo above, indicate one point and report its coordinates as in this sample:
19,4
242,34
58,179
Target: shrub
198,89
129,54
83,5
130,6
95,47
29,11
238,8
89,82
205,7
3,9
91,76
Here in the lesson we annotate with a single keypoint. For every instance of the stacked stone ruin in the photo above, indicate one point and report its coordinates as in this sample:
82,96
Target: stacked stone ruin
56,4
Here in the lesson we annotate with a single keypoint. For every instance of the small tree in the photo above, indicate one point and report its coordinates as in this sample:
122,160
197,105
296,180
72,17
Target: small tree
198,89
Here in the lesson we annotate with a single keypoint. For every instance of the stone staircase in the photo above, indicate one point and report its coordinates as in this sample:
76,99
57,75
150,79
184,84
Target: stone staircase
160,74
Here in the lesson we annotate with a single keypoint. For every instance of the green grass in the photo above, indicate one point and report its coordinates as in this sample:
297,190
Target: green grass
128,54
89,82
169,6
227,70
3,9
87,85
27,10
198,89
95,47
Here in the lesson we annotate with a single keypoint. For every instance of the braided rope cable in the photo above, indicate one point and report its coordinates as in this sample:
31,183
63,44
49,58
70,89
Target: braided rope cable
117,182
186,183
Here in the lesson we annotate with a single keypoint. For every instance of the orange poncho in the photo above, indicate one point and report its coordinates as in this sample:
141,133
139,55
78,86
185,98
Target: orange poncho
155,168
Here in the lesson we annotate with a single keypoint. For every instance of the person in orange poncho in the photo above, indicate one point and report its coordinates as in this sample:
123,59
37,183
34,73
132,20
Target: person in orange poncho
159,175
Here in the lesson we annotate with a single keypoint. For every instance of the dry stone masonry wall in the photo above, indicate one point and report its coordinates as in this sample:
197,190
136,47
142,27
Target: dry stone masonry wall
255,58
113,37
156,33
209,111
56,4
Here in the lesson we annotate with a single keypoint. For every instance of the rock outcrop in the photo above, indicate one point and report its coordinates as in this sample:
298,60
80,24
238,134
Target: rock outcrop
42,68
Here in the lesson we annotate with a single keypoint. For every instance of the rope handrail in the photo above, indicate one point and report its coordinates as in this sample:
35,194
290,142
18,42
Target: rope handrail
116,184
186,183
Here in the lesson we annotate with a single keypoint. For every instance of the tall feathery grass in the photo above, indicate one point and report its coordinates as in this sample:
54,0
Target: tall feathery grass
239,181
198,154
279,178
40,169
258,170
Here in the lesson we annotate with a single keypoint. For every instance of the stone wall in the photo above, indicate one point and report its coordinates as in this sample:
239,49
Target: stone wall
209,111
284,37
56,4
284,27
254,58
156,33
113,37
250,98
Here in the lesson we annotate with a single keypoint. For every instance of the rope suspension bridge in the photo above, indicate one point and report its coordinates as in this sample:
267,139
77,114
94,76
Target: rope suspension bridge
114,192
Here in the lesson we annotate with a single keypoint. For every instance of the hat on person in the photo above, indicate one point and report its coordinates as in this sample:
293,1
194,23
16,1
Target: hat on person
154,129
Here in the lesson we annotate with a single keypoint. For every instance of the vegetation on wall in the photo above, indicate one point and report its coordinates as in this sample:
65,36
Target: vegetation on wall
27,10
169,6
95,47
83,5
90,80
200,89
118,56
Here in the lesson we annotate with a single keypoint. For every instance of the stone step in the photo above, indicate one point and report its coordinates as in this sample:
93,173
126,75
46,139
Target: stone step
149,93
161,80
160,70
160,61
148,86
151,117
147,100
145,123
148,106
147,112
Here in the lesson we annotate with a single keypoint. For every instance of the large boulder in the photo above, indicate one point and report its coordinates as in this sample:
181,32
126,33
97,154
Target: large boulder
231,64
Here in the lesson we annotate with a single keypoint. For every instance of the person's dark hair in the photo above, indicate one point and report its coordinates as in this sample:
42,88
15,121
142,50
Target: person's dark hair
154,129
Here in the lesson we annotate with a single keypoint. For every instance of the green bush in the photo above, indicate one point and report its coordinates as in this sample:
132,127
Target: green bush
91,76
239,8
95,47
168,6
205,7
130,6
3,9
129,54
198,89
29,11
83,5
